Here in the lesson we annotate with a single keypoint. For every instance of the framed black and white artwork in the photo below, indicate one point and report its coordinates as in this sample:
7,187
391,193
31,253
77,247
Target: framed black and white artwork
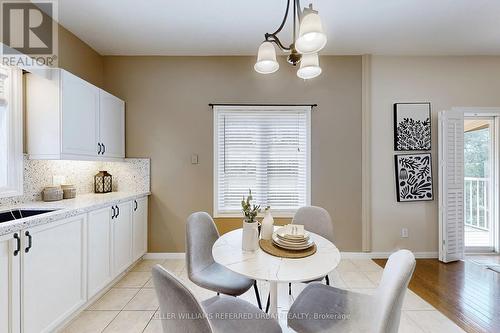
412,126
413,177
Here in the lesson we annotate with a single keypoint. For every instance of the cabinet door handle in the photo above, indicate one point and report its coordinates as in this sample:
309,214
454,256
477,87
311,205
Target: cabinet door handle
100,148
118,211
114,213
18,244
103,148
30,241
135,209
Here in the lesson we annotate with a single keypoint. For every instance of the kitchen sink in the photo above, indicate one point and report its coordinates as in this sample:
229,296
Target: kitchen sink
17,214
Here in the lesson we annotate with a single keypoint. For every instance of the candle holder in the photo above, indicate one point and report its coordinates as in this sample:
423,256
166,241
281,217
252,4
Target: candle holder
103,182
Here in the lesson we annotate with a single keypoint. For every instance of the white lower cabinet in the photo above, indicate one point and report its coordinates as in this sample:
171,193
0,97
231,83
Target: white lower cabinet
100,270
139,227
50,271
53,280
10,292
122,237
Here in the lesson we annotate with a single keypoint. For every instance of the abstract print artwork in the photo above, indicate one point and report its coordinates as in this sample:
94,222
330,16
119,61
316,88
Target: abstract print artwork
412,126
413,177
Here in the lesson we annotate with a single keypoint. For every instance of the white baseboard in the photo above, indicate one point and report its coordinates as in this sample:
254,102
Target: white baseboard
426,255
385,255
345,255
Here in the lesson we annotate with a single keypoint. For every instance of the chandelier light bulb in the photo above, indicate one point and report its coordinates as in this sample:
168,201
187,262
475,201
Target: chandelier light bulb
309,66
266,59
312,37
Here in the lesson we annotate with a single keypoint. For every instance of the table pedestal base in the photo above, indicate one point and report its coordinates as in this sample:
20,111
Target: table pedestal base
273,299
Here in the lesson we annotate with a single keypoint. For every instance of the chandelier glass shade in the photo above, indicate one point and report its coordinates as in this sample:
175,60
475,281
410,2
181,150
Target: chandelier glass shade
266,59
309,66
303,50
311,39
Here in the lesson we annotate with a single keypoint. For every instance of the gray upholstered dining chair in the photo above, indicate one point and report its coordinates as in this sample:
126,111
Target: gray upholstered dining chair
201,234
180,311
346,311
317,220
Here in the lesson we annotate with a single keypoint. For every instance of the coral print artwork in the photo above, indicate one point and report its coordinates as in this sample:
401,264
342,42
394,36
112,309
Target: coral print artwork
412,126
413,177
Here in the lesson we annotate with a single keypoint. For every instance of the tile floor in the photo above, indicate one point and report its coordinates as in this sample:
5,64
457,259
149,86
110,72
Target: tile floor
130,306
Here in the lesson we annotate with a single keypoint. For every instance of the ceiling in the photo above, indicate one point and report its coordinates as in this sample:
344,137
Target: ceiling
224,27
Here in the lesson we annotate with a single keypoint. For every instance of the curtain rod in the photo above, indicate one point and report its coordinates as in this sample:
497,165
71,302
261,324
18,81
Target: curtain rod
243,104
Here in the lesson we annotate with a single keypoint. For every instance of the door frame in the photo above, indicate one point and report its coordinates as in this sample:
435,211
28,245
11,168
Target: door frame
495,113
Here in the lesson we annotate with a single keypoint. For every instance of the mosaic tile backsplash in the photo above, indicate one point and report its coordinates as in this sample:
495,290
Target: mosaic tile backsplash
131,175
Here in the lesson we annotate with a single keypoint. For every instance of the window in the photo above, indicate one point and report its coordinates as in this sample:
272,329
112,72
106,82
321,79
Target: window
265,149
11,153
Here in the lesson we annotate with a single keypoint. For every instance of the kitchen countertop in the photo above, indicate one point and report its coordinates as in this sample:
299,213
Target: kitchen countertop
64,208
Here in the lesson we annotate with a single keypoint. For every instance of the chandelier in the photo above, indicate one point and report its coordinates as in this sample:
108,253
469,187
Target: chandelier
303,50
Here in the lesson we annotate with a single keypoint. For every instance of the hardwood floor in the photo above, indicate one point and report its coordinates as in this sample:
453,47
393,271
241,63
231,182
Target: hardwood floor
465,292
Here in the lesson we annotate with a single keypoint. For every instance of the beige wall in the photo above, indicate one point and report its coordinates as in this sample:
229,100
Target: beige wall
168,119
80,59
445,82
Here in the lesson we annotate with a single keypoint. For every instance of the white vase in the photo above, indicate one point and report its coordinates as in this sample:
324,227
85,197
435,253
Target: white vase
250,236
267,225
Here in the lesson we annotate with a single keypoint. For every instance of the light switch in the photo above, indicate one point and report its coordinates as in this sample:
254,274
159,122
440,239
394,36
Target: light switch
194,159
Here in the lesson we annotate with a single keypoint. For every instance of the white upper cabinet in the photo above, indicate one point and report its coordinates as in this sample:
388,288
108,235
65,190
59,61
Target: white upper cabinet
80,115
71,119
111,125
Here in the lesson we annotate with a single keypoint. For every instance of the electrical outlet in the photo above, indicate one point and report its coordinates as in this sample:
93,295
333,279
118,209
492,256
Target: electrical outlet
404,233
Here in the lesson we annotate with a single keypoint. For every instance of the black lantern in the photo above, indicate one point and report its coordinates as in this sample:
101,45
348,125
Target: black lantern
103,182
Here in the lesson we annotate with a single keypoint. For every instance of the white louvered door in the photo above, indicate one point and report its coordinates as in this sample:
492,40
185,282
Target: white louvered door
451,185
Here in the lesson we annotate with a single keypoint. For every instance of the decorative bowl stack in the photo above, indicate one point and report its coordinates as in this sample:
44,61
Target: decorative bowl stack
292,237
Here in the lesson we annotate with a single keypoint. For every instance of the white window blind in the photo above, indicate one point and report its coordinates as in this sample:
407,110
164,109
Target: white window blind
265,149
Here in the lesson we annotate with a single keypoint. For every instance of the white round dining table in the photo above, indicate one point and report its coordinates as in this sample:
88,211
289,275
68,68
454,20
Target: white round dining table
259,265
